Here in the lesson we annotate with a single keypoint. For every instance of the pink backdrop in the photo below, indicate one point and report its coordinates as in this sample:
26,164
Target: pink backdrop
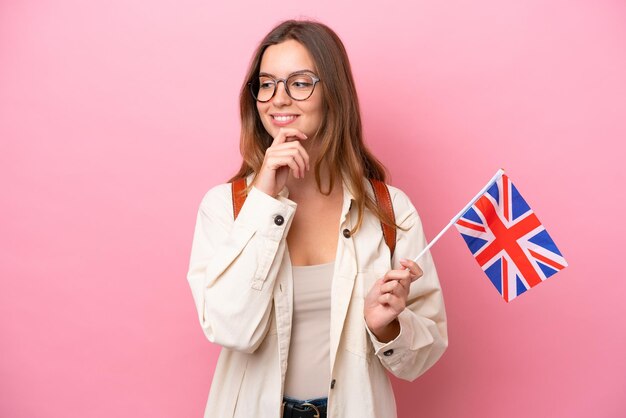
116,117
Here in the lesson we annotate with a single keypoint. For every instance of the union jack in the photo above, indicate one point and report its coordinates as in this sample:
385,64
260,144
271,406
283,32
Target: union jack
508,241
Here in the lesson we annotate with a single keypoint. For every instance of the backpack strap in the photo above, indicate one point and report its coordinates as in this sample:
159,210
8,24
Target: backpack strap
239,195
383,201
381,195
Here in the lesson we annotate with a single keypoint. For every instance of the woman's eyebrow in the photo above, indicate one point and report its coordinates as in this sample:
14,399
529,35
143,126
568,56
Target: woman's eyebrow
295,72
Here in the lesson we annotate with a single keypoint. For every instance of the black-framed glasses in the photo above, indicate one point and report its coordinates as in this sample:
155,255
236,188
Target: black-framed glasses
299,86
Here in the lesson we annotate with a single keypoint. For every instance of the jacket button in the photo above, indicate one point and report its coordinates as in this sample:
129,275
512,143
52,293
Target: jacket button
388,353
279,220
332,384
346,233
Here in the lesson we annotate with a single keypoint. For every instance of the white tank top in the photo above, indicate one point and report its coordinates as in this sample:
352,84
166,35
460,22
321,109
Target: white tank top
308,367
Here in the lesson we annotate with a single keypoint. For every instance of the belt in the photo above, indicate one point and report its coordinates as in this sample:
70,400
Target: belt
303,409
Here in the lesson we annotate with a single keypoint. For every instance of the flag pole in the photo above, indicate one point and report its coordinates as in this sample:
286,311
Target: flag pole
458,215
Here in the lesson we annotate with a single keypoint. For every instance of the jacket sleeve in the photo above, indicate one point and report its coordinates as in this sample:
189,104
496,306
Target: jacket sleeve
423,332
234,264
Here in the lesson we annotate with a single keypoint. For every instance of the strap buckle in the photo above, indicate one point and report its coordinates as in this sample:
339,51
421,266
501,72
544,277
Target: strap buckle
317,411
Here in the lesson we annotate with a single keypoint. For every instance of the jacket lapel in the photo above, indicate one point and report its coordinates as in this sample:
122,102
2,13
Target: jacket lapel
343,278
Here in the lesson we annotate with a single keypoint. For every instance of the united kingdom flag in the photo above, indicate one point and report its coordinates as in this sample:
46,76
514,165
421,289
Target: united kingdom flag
508,241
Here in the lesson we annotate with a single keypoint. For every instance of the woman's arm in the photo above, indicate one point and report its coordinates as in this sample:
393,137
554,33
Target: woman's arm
234,264
423,336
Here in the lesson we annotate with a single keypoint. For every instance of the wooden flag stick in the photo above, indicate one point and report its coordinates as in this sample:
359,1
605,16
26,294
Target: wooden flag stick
456,218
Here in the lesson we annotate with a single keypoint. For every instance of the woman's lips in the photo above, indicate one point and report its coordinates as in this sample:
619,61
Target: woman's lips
283,120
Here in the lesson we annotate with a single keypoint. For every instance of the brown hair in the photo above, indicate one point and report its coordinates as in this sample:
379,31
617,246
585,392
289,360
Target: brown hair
340,134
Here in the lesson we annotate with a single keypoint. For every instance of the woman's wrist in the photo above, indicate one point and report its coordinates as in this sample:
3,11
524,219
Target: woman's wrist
388,332
264,189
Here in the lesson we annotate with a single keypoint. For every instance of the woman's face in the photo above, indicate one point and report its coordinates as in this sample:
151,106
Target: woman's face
280,61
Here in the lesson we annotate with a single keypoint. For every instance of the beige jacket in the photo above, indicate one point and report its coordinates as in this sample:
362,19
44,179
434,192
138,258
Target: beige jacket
241,280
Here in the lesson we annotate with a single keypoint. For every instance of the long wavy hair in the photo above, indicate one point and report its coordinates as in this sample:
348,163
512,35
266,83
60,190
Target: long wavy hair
340,135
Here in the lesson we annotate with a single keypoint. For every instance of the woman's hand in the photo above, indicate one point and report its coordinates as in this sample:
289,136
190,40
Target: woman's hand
387,299
286,154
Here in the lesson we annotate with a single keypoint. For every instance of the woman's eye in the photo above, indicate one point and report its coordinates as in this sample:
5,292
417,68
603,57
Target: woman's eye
301,84
266,85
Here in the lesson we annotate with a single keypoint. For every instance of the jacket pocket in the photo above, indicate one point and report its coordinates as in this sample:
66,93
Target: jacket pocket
357,340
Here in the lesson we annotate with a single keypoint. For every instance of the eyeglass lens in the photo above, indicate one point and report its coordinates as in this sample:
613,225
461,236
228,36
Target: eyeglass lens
298,86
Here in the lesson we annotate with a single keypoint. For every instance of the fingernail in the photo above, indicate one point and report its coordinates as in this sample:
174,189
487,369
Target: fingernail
403,260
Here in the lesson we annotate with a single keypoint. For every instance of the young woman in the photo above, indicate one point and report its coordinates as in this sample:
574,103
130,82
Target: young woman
300,288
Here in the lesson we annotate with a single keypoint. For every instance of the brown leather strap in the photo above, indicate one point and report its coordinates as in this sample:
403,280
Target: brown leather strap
383,201
239,195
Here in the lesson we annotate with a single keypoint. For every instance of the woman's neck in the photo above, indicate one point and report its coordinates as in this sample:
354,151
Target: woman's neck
307,186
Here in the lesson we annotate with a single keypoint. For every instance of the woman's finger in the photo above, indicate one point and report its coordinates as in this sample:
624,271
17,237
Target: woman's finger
394,286
403,277
293,165
293,153
412,267
288,134
290,147
397,275
396,303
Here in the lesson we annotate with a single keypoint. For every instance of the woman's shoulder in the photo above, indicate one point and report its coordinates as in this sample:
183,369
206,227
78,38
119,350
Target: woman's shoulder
217,199
401,201
220,196
402,205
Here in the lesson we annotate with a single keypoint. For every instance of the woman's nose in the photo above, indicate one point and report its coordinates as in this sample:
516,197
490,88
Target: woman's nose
281,97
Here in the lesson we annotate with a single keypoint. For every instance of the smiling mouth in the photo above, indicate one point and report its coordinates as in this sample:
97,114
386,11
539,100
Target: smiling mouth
284,118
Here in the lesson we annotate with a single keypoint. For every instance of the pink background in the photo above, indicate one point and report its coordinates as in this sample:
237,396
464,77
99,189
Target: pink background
116,117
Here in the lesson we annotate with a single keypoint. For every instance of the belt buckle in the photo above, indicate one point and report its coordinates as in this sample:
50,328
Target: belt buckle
317,411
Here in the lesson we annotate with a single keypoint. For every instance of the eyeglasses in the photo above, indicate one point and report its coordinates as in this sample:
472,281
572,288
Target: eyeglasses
299,86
